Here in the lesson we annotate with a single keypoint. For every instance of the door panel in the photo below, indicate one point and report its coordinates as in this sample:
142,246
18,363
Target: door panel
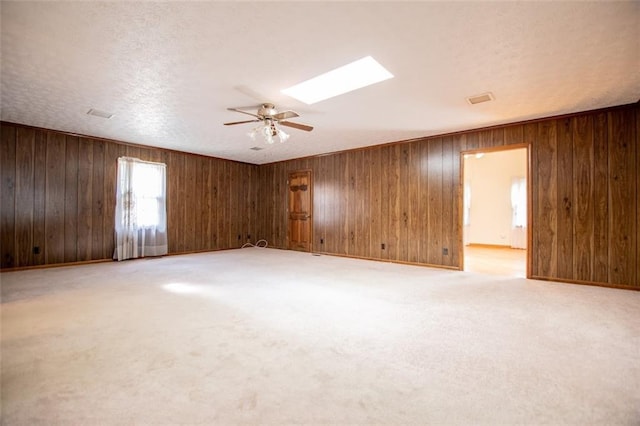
300,210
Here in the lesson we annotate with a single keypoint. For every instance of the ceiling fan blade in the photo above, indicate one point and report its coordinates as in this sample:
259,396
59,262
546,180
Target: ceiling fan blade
296,125
241,122
243,112
285,114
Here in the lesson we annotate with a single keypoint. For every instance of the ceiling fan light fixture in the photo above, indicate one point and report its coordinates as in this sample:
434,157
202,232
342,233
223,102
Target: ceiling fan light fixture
252,134
269,139
269,118
269,131
282,135
358,74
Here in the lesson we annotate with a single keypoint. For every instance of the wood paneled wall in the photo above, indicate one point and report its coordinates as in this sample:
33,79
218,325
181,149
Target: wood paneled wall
584,197
57,192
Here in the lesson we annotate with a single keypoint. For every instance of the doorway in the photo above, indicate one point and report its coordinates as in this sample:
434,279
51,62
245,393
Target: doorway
495,223
299,210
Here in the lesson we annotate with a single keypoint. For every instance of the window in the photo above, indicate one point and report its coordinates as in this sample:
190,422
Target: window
519,202
466,203
146,194
141,213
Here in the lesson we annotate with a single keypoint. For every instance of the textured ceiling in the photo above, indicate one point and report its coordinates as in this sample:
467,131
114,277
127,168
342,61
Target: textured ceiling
169,70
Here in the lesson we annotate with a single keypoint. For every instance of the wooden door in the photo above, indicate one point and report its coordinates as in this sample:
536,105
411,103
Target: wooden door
300,210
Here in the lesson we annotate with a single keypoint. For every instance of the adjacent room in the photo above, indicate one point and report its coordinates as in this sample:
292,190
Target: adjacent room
495,224
320,213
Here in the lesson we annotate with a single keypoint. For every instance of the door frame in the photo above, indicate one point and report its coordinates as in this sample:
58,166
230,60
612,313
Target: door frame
311,216
474,151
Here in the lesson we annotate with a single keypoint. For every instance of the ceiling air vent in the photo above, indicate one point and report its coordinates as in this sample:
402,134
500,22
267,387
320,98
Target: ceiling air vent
99,113
478,99
256,148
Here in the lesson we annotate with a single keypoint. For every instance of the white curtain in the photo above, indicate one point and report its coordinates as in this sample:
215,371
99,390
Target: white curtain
141,213
519,213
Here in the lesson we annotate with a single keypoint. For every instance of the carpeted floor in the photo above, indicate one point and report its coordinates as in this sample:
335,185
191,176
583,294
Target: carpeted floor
276,337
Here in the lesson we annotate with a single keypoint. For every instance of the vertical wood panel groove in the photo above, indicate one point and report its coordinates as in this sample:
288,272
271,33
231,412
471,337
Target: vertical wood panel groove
566,202
24,186
85,199
435,173
546,199
414,189
98,200
39,191
637,144
393,186
622,247
384,202
71,200
405,189
7,195
583,191
424,215
54,200
448,202
601,199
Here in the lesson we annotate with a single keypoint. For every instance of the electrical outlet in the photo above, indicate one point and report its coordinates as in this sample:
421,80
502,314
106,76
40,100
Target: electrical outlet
248,236
321,240
36,250
445,251
382,246
239,237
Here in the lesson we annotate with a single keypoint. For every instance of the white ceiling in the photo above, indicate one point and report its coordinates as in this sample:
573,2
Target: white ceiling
169,70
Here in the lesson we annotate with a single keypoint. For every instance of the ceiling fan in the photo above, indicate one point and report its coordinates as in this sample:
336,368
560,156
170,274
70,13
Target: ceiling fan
269,117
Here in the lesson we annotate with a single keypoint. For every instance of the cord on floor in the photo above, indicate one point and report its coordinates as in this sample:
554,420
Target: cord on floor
259,244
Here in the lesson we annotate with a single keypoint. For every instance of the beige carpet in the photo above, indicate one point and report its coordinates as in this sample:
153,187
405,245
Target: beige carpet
262,336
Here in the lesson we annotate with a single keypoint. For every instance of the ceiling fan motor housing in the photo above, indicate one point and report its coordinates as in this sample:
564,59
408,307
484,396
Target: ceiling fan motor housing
267,110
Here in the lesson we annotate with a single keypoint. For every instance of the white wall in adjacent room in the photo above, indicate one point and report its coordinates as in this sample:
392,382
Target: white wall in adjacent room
489,180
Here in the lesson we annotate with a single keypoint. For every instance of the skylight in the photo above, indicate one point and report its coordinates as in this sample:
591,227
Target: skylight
361,73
